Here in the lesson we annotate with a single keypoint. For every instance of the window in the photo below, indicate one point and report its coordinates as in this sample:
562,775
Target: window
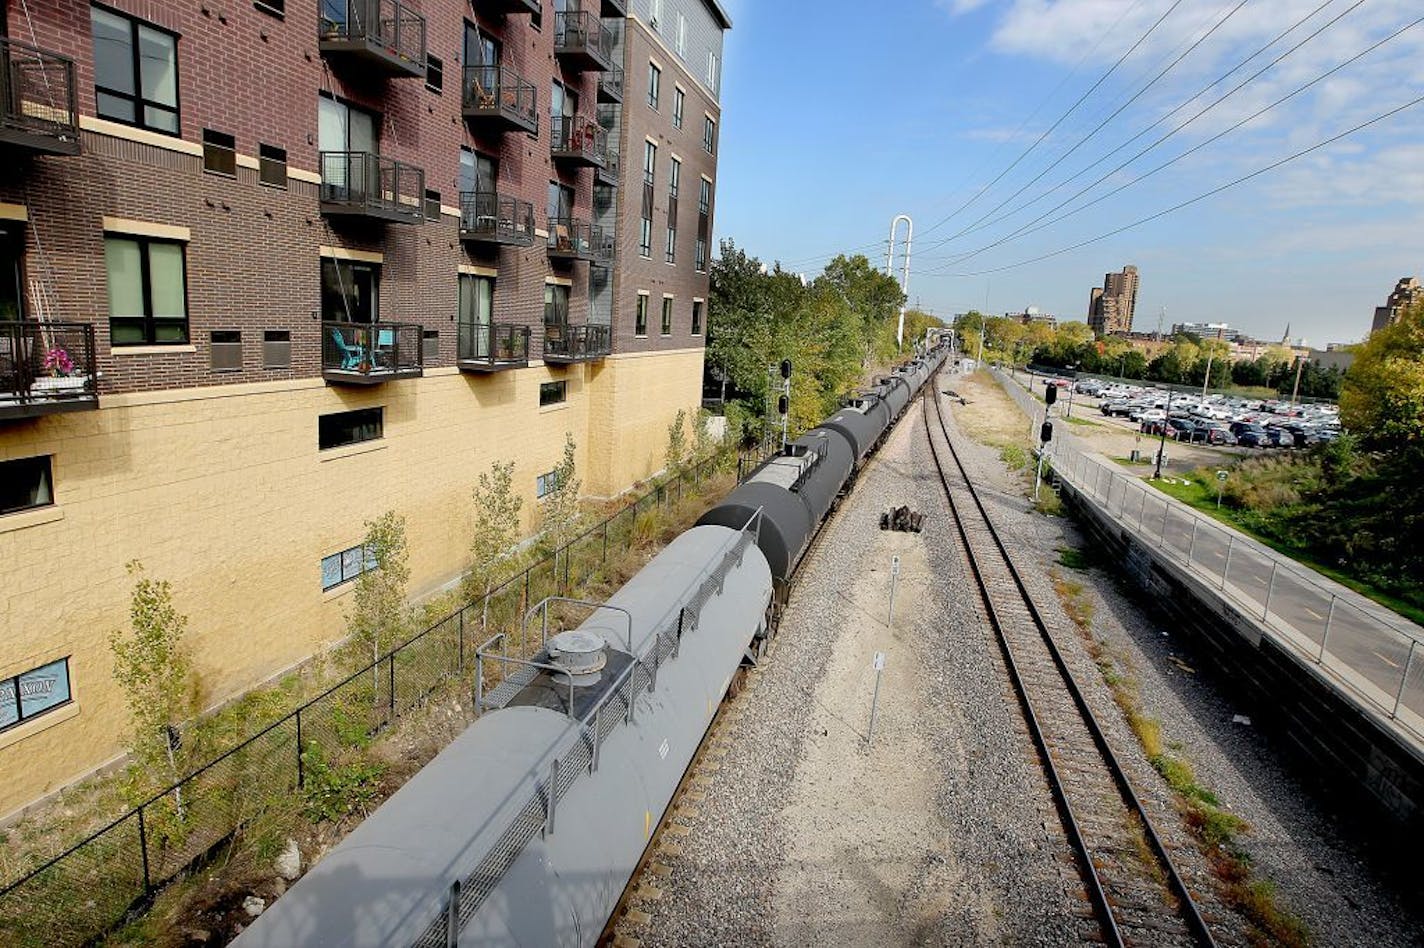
712,66
667,316
704,198
344,127
679,102
670,250
349,291
553,393
476,306
25,484
276,349
561,203
536,19
350,427
655,13
709,135
430,346
681,35
645,238
272,165
432,205
655,82
345,566
699,262
147,291
226,346
640,325
674,178
135,72
556,304
546,484
219,153
12,252
33,693
697,317
650,162
434,73
275,7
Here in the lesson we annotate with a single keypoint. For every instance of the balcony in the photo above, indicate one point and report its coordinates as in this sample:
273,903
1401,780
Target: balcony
491,347
38,110
564,343
371,353
574,239
490,218
610,85
607,173
360,184
577,141
385,35
582,42
497,97
46,368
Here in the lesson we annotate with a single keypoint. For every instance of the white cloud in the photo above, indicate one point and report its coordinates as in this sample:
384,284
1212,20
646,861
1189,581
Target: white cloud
958,7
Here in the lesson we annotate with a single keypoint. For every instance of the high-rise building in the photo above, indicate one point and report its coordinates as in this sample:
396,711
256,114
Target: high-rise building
1406,293
269,269
1110,307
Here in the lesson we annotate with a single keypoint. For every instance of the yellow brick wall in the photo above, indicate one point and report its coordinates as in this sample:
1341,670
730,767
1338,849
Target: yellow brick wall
222,491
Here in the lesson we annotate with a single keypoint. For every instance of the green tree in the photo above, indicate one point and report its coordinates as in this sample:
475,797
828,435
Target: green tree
873,297
153,668
675,455
559,514
1382,397
380,615
496,529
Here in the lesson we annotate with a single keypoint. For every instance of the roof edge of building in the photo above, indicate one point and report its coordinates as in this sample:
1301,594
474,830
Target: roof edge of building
720,12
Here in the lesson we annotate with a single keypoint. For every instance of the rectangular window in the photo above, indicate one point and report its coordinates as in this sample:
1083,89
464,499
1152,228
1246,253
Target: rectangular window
670,251
697,317
556,304
31,694
667,316
650,162
674,178
341,126
553,393
272,166
709,135
432,205
704,199
645,238
679,102
350,427
345,566
546,484
434,73
276,349
226,346
25,484
430,346
699,262
681,35
712,67
219,153
640,325
349,291
655,82
135,72
275,7
147,291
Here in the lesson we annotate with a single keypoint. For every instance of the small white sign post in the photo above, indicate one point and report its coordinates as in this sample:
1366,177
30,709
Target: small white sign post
875,699
894,577
1220,483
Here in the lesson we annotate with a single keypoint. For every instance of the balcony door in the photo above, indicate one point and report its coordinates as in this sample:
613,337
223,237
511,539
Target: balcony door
481,63
476,306
11,298
349,291
347,133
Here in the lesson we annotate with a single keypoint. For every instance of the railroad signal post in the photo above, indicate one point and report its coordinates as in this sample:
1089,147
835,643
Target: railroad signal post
879,663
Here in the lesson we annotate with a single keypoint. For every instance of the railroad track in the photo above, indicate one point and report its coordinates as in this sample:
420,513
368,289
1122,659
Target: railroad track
1137,895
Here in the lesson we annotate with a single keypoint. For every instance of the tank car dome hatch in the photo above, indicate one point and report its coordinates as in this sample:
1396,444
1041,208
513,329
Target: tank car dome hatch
581,653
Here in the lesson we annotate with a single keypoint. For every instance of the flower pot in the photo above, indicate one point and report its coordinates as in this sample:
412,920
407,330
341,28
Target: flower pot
59,385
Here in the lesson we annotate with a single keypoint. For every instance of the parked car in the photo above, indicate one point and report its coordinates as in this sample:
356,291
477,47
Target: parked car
1179,429
1219,434
1279,437
1251,436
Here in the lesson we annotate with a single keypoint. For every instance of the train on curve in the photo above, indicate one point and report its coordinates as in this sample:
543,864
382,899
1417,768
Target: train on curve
527,829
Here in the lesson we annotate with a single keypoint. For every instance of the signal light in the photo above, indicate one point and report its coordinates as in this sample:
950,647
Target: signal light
786,368
1050,394
1045,434
781,403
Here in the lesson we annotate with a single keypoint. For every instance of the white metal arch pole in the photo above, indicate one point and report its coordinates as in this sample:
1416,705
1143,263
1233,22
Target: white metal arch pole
905,274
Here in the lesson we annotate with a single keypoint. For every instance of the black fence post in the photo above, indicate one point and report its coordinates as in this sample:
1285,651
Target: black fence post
605,540
301,771
460,639
393,684
143,848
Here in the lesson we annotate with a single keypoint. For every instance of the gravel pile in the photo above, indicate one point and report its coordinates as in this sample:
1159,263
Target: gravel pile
942,833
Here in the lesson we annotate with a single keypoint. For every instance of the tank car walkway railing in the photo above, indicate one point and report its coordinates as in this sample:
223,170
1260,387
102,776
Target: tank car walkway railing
1366,652
617,706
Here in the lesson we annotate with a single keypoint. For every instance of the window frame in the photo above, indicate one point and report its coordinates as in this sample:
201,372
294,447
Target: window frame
679,105
655,85
640,317
367,564
215,149
46,465
670,248
14,681
555,392
266,159
697,317
666,326
434,70
553,305
709,134
376,411
136,97
546,483
146,288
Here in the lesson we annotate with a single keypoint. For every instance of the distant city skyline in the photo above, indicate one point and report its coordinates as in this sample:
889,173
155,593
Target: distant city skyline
965,88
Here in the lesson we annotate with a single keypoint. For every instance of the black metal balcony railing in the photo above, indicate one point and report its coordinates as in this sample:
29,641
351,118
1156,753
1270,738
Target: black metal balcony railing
488,347
564,343
573,239
502,96
369,353
608,173
358,183
578,140
491,218
582,41
38,108
610,85
385,34
46,368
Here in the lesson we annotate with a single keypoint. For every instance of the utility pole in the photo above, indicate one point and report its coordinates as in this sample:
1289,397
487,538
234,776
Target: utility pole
905,274
1295,389
1210,354
1162,444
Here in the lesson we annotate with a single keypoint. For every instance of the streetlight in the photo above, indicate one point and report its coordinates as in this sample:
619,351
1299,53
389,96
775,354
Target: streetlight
1162,444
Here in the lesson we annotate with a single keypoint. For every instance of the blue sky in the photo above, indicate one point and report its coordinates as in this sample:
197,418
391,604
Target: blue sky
838,116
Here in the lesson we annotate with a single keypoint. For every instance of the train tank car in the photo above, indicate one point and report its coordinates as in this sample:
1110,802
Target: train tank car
540,868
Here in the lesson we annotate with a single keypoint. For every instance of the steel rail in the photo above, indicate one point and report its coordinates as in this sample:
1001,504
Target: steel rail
1189,911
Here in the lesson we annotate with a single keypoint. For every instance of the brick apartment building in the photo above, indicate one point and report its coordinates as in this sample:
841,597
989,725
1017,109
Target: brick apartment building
1406,293
271,268
1111,306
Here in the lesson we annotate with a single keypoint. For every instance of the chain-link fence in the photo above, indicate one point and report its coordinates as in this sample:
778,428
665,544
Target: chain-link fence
91,887
1375,654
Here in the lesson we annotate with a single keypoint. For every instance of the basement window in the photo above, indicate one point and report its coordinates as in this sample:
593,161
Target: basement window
25,484
345,566
552,393
343,428
34,692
